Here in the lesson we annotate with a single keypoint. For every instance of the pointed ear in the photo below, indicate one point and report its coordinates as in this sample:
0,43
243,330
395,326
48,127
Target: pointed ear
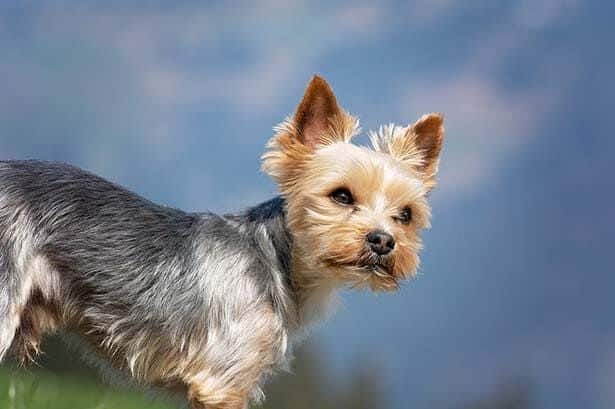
318,115
318,120
427,136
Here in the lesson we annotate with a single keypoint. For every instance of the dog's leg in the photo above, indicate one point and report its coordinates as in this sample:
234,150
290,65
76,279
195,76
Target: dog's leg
236,364
10,310
208,392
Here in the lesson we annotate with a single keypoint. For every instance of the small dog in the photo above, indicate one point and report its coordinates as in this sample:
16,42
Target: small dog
206,303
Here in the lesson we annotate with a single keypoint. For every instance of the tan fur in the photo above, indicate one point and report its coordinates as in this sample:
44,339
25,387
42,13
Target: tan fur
417,146
38,318
309,161
227,385
39,314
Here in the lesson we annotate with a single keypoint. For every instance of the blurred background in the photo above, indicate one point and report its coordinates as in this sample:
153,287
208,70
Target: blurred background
514,304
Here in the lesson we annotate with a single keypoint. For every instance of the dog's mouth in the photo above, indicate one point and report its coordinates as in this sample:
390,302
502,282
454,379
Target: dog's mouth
375,273
382,277
378,267
381,272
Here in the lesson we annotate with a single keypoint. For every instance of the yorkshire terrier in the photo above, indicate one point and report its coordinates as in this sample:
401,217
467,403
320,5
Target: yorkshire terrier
206,303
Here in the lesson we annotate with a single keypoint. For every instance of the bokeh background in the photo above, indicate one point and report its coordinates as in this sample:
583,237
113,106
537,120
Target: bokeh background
514,306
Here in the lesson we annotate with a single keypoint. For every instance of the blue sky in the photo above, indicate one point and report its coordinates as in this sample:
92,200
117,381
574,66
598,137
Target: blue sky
177,103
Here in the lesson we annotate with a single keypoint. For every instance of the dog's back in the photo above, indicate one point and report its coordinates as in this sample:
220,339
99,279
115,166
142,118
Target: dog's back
104,241
160,292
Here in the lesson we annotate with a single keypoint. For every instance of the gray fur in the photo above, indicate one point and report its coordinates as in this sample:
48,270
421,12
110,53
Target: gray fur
127,272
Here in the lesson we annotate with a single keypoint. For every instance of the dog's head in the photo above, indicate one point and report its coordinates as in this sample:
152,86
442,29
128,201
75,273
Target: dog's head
355,213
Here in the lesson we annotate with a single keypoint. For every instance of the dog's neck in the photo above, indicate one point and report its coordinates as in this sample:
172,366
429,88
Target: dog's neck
311,297
271,216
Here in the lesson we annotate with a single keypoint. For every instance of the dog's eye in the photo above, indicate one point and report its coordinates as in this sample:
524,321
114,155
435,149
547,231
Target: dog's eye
342,196
405,216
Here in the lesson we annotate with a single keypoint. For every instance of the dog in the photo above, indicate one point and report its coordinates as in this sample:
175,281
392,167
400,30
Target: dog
213,304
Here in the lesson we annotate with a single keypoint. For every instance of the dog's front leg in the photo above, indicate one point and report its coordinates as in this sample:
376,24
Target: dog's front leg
236,360
207,391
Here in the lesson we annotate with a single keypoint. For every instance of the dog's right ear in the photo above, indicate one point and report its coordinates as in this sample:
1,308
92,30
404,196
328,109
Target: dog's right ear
318,121
317,114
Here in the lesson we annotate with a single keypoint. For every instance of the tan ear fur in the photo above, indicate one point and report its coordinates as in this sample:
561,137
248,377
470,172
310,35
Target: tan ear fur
418,146
428,136
317,121
312,119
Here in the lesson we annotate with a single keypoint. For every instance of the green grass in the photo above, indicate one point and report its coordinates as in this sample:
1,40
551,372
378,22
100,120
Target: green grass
41,390
66,383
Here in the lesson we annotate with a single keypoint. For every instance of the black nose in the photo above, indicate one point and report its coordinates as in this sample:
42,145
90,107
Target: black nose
380,242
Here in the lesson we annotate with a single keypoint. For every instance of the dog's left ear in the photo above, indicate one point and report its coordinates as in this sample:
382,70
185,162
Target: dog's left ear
418,146
427,136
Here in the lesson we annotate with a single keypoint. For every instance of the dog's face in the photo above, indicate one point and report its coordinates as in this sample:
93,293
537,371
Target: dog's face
355,213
